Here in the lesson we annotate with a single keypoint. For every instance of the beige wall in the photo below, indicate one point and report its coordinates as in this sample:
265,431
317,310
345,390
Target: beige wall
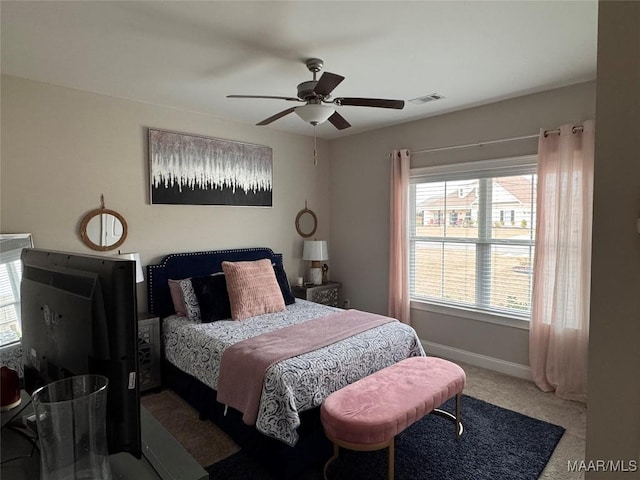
613,409
360,201
62,148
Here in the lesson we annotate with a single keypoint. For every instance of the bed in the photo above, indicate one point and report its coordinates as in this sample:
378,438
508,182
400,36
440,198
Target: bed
293,388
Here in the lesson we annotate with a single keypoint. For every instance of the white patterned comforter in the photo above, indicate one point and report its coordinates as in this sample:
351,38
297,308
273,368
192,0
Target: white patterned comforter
296,384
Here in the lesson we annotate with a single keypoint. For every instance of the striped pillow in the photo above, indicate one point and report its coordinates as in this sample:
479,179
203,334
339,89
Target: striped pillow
253,288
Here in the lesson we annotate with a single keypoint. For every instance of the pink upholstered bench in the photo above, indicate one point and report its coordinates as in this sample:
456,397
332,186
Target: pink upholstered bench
368,414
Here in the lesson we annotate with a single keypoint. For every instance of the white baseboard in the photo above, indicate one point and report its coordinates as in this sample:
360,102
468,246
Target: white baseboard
483,361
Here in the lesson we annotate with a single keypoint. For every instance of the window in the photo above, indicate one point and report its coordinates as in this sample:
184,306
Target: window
482,259
10,276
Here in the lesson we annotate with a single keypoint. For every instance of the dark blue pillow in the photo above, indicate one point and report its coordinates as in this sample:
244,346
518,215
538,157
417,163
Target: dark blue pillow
213,298
283,282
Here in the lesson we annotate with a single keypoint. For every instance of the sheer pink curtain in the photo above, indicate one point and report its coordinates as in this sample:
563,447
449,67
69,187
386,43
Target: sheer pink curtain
399,238
559,334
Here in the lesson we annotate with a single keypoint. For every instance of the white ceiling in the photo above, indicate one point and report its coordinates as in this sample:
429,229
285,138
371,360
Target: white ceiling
190,55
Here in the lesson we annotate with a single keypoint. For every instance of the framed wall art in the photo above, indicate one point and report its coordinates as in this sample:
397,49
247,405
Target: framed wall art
195,170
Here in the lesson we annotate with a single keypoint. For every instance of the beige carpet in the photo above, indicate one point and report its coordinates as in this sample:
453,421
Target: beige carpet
205,442
208,444
524,397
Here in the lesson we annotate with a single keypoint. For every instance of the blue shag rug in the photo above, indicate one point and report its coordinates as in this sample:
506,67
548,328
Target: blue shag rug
497,444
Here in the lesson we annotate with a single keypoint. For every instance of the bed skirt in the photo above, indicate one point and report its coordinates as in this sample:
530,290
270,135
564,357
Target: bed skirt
285,462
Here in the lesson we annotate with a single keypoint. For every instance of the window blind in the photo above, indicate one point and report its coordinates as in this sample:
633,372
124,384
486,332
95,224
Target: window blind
472,234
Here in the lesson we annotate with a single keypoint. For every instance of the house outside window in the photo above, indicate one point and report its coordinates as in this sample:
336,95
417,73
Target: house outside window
482,261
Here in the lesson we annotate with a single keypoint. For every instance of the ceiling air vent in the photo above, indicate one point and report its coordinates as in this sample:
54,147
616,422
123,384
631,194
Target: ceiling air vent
427,98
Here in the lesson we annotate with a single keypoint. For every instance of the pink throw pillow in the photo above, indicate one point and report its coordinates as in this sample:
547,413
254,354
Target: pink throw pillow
253,288
177,298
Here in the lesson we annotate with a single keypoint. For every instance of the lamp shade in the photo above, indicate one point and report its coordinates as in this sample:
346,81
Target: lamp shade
315,250
136,258
314,113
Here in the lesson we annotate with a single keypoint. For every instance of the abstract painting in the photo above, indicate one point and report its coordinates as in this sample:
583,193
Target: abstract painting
195,170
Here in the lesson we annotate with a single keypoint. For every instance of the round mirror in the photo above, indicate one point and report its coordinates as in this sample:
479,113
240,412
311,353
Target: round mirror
103,229
306,223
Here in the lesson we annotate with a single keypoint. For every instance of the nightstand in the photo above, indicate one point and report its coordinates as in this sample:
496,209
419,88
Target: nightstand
326,294
149,367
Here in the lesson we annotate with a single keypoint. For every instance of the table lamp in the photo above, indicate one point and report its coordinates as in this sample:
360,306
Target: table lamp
136,258
315,251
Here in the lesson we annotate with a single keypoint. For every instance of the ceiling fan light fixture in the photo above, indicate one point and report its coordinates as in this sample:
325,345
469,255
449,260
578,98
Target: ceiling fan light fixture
314,113
318,91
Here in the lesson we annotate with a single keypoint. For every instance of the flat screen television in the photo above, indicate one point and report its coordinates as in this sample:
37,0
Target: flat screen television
79,316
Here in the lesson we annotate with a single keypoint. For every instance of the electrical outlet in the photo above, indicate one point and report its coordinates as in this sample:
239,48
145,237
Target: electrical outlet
346,304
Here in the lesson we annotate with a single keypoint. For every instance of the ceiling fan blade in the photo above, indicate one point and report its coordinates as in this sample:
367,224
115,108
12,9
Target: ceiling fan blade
370,102
338,121
275,117
328,81
290,99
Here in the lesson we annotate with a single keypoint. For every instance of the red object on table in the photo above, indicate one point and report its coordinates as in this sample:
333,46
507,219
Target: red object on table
9,389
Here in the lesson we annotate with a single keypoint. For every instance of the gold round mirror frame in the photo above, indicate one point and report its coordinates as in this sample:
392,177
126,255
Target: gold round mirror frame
84,234
301,222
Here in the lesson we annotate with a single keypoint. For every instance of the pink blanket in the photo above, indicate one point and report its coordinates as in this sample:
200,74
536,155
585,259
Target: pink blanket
244,364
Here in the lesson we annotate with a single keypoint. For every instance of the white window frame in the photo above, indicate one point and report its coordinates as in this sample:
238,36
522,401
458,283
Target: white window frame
12,245
12,302
478,169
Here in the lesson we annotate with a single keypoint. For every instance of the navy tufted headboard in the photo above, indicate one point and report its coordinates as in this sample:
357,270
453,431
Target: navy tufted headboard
177,266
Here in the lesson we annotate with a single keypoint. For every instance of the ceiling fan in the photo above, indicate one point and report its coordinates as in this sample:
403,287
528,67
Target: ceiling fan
315,93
